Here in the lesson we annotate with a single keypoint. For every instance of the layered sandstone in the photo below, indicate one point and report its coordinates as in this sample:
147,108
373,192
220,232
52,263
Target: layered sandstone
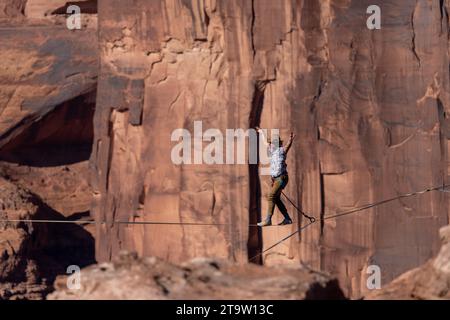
369,107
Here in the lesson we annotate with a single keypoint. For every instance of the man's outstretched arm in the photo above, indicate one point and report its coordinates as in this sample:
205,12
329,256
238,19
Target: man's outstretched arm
289,143
266,141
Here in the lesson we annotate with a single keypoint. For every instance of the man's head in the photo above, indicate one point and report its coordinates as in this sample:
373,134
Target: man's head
276,140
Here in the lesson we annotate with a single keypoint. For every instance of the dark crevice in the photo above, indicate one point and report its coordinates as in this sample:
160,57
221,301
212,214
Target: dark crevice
22,8
252,29
142,196
160,282
254,244
10,133
318,94
322,191
330,291
444,16
413,40
86,7
442,8
322,204
63,136
207,19
79,216
444,135
110,148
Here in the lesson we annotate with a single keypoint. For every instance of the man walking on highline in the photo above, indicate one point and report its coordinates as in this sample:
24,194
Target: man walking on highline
279,176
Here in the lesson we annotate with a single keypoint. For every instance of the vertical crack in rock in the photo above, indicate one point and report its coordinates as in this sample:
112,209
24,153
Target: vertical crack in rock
322,185
442,10
110,149
254,245
444,16
322,203
413,40
207,18
252,29
443,136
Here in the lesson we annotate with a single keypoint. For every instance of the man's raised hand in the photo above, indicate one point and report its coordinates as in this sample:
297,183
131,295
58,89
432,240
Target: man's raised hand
293,135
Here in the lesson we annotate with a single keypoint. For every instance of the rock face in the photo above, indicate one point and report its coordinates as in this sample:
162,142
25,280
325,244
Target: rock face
12,9
370,109
48,81
431,281
18,276
44,65
130,278
32,254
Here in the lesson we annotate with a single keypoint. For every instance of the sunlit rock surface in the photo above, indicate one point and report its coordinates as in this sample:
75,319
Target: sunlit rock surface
131,278
48,81
369,107
428,282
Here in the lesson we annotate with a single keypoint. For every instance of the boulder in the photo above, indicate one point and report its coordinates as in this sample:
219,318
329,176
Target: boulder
428,282
128,277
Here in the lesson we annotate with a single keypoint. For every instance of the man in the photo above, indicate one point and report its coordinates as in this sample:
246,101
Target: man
279,176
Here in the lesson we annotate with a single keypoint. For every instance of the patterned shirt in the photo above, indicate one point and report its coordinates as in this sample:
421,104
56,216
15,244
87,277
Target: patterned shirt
277,161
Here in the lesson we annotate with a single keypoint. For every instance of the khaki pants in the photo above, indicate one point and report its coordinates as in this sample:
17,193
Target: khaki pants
274,197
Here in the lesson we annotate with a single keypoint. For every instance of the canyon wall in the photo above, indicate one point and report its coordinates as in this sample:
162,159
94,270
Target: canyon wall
48,82
430,281
370,108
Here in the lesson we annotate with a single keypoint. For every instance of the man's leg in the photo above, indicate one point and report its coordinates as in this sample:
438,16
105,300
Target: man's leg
279,203
272,197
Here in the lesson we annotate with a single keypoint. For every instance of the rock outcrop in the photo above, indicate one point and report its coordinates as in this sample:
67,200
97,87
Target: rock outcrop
33,254
48,81
44,65
428,282
131,278
18,275
370,108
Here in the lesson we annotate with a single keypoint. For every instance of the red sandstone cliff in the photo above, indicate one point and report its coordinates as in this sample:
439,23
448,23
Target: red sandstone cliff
48,80
370,109
428,282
